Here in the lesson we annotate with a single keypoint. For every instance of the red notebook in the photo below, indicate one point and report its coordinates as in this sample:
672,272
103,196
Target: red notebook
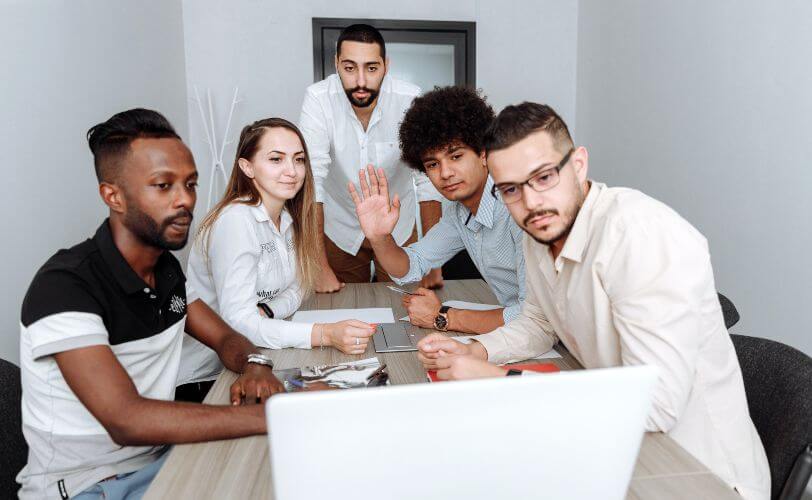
533,367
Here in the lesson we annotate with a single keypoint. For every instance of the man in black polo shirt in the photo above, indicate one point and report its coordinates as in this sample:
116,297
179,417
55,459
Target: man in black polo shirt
102,327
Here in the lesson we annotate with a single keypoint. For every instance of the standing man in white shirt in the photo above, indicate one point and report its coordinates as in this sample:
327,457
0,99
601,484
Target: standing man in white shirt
620,279
349,120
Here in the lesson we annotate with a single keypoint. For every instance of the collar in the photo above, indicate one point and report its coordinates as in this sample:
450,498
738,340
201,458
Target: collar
579,234
121,270
338,90
261,215
484,213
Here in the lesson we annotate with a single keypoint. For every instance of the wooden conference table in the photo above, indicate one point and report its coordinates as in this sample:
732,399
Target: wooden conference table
240,468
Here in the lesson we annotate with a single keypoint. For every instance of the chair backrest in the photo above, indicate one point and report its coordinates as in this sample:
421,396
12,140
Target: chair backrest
729,311
778,383
15,450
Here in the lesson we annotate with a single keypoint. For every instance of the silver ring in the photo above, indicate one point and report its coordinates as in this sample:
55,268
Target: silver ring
357,341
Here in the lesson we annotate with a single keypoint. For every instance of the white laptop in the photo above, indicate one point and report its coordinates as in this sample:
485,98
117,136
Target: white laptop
571,435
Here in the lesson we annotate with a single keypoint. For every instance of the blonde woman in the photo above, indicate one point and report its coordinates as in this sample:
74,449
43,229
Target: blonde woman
256,253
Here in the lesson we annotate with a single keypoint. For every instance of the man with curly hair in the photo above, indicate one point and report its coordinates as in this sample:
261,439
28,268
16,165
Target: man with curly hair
442,136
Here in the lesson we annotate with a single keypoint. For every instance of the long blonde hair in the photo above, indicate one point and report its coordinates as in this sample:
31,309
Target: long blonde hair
302,207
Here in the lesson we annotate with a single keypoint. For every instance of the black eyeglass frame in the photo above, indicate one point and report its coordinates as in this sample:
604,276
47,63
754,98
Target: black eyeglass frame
529,181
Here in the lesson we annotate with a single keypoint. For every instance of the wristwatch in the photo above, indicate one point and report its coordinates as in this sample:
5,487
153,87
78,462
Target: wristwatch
266,309
260,359
441,320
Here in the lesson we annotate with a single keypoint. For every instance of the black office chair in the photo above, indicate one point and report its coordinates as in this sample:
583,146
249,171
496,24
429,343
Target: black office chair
15,450
729,311
778,383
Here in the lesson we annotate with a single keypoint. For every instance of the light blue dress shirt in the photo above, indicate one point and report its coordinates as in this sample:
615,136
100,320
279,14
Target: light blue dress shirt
493,241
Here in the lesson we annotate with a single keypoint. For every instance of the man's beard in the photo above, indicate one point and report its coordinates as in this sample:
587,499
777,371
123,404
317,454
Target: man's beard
569,216
146,229
373,94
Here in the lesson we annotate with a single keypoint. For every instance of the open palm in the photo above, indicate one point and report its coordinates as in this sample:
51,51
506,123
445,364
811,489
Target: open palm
375,213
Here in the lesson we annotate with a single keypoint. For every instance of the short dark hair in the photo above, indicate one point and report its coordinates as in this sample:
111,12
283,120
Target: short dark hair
516,122
441,117
363,33
109,140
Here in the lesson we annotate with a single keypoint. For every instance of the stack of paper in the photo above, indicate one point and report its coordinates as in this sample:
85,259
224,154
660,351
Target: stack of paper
369,315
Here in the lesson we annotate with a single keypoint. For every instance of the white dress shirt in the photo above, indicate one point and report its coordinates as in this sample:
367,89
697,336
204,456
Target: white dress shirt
339,146
249,261
633,285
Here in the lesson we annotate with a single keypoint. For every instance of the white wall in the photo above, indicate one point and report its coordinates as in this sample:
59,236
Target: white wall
65,67
707,106
525,51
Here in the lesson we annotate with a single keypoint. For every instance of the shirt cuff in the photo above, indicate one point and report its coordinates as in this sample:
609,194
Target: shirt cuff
69,344
428,193
411,274
318,192
297,335
494,344
510,313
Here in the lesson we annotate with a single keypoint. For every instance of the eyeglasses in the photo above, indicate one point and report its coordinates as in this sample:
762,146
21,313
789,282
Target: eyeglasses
540,181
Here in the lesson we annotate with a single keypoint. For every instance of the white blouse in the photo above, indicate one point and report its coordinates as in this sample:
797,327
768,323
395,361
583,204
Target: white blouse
248,261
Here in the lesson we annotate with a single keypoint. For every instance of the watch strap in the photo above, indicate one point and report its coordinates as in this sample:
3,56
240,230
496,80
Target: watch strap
266,309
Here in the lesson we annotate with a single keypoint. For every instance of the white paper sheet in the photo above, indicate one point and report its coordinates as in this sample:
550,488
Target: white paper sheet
370,315
551,354
461,304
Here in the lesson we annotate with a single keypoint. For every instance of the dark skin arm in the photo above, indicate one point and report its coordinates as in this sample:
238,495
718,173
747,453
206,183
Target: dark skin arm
97,378
256,381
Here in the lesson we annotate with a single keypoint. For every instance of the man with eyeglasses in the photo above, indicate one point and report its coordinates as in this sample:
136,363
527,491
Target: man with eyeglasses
441,135
620,279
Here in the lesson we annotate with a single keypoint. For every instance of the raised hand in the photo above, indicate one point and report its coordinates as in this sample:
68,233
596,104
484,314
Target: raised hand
376,214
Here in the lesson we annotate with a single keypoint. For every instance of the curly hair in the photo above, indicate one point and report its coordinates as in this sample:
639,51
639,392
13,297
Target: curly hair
441,117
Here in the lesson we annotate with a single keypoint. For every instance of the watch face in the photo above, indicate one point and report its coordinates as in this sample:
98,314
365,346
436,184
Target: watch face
440,322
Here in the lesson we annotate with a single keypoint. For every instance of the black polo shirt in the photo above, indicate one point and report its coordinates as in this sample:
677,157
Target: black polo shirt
83,296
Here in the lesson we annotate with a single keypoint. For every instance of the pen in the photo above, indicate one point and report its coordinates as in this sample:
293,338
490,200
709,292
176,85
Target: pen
398,290
294,382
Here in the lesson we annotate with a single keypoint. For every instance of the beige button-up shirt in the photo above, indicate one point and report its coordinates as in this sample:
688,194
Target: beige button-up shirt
634,285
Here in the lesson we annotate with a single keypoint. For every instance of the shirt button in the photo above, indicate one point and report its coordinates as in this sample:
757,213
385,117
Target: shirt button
146,290
152,296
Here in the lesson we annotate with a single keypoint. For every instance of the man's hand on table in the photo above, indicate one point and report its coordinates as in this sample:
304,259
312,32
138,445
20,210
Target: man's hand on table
255,385
423,306
451,367
454,360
